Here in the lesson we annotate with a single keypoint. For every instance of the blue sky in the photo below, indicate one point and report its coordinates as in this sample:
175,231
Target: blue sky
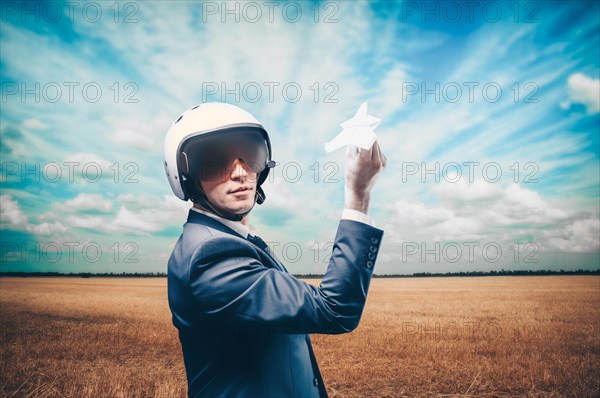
491,118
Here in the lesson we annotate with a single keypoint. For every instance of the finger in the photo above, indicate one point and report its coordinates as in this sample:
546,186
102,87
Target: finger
379,156
361,153
372,151
376,157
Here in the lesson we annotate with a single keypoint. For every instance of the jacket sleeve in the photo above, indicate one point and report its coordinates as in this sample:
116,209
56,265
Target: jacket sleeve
229,284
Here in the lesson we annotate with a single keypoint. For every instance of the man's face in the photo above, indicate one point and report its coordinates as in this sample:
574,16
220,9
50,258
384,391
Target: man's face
234,192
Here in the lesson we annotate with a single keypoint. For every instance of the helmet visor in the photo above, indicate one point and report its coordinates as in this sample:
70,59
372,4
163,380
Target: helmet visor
211,156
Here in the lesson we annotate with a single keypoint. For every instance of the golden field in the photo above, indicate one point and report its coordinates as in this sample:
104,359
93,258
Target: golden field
419,337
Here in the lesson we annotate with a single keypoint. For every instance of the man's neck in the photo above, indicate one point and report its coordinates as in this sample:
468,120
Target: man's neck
245,221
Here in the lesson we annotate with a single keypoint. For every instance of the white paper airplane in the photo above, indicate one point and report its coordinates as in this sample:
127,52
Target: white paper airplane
357,131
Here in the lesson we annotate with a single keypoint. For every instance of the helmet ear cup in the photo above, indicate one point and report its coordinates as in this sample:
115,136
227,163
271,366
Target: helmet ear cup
184,164
260,196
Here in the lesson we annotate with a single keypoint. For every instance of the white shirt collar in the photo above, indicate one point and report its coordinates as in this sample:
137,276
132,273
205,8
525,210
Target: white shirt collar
238,227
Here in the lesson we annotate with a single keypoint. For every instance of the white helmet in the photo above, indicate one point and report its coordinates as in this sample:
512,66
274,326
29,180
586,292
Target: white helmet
189,148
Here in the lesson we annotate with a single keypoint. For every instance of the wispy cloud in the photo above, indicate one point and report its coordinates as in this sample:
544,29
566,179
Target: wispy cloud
302,79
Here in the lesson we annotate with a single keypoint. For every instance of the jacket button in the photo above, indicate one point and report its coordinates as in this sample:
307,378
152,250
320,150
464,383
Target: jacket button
374,241
370,264
373,249
316,382
371,256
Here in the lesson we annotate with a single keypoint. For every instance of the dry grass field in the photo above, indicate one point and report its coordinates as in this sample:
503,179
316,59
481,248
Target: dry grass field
419,337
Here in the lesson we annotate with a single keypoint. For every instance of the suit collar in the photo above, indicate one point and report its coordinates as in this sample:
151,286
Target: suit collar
200,218
238,227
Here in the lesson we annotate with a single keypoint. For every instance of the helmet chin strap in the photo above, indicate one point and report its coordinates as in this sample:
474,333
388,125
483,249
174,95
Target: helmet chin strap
259,198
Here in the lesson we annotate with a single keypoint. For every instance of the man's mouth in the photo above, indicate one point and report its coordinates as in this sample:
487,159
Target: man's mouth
240,189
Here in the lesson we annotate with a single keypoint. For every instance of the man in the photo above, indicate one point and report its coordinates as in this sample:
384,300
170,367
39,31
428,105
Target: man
243,320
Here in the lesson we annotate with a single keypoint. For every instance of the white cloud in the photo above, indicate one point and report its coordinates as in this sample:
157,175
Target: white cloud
47,228
459,228
585,91
463,190
170,212
146,221
89,222
487,213
34,124
522,205
280,195
153,217
86,168
418,214
11,214
127,197
387,97
83,159
141,134
85,201
581,236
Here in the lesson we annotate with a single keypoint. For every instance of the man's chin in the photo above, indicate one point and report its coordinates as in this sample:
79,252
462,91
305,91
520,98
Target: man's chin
240,209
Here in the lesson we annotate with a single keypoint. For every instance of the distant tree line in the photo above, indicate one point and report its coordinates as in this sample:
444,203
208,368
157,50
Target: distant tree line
496,273
313,276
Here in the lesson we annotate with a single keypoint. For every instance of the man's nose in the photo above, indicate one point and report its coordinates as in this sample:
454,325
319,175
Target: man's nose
239,170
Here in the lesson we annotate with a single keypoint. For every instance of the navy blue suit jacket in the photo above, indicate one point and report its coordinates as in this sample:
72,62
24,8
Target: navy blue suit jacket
244,321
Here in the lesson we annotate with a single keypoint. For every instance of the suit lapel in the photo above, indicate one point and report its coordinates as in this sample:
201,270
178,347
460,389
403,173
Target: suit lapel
268,259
